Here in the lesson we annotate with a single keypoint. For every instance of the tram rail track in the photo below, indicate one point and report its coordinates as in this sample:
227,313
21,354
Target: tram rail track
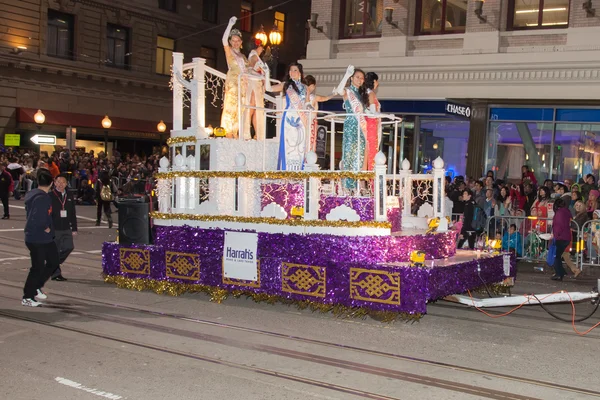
334,362
298,355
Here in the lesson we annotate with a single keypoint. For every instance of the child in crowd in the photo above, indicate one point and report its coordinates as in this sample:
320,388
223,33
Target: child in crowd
512,241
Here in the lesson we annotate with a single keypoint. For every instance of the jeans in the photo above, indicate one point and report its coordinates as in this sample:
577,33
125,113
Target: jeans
561,246
44,260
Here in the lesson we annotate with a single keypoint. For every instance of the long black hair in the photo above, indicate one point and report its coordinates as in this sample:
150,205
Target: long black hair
370,78
362,90
289,82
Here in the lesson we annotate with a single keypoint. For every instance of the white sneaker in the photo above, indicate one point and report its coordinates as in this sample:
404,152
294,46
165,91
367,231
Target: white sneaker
41,295
30,303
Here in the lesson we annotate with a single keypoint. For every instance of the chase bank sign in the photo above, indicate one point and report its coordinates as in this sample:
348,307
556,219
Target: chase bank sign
458,110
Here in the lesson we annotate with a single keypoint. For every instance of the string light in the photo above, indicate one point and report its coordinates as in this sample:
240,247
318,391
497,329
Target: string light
294,175
273,221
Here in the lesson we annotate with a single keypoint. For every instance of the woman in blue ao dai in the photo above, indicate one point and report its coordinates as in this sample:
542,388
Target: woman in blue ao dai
293,136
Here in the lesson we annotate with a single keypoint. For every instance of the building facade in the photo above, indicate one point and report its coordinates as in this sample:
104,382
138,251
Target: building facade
527,73
79,60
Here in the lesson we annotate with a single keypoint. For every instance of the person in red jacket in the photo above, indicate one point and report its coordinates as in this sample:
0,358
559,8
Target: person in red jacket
561,232
526,174
7,186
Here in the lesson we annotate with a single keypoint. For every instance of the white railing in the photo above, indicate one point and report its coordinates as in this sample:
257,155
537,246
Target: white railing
240,195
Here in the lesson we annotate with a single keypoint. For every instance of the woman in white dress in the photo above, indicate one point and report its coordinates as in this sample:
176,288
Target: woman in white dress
255,94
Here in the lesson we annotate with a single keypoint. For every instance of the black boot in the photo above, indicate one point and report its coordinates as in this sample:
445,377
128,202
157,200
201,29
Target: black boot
110,222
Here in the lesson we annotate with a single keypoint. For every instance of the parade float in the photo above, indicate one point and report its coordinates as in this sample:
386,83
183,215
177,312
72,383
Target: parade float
230,224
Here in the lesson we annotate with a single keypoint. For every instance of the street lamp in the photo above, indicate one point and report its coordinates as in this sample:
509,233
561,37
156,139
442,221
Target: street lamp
262,36
161,126
274,39
106,124
275,36
39,118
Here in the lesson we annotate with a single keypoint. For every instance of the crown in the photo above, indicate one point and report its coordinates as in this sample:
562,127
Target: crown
235,32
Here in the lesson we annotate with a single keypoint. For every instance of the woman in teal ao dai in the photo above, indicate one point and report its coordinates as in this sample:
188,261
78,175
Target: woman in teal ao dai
354,142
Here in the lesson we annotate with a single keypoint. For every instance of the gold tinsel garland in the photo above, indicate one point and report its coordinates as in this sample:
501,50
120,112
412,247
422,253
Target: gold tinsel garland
181,139
298,175
218,295
274,221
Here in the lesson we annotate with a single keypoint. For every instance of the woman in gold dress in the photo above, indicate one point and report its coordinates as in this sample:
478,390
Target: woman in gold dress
237,63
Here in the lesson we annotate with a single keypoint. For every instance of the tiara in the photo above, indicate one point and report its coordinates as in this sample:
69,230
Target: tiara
235,32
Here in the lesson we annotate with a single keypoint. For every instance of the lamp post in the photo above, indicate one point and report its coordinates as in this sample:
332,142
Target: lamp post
274,38
39,119
106,124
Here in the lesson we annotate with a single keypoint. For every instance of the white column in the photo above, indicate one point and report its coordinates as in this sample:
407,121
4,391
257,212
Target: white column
311,188
163,188
439,193
380,188
192,185
405,187
177,92
239,197
181,185
199,98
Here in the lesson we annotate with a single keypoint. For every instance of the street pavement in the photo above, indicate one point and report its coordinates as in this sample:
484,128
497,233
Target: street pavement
92,340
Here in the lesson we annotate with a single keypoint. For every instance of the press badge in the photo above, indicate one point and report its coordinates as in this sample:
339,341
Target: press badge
63,213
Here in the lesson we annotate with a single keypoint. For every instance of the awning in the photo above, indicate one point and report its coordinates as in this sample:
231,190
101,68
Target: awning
25,115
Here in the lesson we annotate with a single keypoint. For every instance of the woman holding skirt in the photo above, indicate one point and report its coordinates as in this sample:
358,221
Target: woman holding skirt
237,64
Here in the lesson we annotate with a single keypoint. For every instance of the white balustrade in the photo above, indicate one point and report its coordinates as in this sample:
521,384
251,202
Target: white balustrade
380,188
240,196
312,188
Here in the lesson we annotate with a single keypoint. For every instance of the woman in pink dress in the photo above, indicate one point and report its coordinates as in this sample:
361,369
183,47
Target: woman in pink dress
371,83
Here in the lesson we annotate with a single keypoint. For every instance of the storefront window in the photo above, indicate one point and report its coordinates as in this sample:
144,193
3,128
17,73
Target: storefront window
563,146
535,14
446,138
361,18
441,16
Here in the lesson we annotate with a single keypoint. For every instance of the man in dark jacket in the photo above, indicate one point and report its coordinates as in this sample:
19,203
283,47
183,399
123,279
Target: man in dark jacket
104,202
65,222
39,238
468,233
6,188
16,170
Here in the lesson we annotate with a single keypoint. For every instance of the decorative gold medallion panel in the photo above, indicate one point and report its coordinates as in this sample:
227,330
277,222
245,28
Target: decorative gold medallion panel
241,282
303,279
182,265
135,261
375,286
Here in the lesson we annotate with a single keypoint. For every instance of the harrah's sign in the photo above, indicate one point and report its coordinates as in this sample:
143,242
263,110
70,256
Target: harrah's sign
457,109
246,254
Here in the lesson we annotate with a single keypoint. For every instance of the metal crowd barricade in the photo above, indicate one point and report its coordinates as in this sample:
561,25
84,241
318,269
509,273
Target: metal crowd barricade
526,238
590,244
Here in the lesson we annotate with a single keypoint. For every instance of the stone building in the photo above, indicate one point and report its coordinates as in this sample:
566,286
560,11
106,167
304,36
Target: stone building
79,60
486,85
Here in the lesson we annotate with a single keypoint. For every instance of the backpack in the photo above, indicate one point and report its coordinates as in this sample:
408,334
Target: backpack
479,218
105,193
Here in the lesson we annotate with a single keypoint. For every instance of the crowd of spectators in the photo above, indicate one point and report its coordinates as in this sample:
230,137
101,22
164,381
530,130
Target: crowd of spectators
128,173
524,209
